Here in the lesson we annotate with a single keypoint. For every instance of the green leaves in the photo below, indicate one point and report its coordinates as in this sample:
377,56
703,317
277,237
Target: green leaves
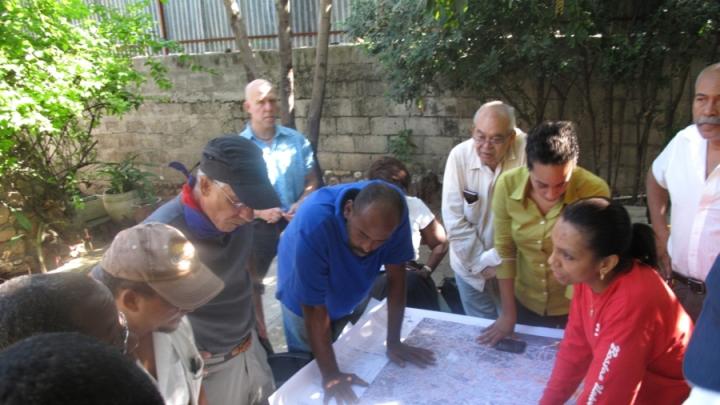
126,176
488,46
64,64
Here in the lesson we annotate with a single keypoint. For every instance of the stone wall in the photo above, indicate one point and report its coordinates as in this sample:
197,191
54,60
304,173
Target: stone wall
358,120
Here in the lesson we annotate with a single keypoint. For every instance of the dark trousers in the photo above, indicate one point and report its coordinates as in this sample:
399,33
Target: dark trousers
530,318
691,301
421,290
265,242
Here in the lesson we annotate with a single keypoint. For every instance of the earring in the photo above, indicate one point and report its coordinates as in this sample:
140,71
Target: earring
602,276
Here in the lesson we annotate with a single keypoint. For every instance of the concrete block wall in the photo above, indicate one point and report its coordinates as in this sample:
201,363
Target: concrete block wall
356,125
357,121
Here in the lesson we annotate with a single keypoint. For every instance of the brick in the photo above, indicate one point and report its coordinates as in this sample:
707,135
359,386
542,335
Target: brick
328,126
301,125
351,125
328,160
449,127
370,107
337,143
301,107
386,126
423,126
354,161
341,89
337,107
371,88
400,109
437,145
371,144
7,233
443,106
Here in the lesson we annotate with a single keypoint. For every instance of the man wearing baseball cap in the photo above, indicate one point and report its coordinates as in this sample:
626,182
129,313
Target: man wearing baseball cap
156,278
214,211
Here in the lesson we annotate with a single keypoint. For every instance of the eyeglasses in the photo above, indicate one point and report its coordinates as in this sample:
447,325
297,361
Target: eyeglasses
494,140
125,333
236,204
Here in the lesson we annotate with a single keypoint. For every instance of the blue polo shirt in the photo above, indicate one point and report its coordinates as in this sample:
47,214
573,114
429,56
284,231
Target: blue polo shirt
289,158
315,263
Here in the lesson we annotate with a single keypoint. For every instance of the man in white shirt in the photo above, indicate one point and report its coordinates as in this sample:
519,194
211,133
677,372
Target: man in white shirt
472,168
686,172
156,278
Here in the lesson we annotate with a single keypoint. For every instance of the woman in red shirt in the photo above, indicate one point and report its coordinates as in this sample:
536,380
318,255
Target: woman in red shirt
627,333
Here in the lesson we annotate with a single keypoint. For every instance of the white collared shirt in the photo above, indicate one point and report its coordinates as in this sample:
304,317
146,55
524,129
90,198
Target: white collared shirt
695,203
420,217
178,364
469,226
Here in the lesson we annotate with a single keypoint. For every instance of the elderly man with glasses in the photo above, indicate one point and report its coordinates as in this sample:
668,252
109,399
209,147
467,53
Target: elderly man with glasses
472,169
215,211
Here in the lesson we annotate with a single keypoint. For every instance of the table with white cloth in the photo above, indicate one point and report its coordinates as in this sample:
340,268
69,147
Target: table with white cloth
465,373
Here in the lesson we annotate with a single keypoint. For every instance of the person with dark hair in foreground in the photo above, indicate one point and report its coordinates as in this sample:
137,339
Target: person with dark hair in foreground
627,332
526,203
59,302
330,254
421,290
70,368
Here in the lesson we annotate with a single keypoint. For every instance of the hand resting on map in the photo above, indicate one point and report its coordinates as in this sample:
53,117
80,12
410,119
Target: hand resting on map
502,328
400,353
340,388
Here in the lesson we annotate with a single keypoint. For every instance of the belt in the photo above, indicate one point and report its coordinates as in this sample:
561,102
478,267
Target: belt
214,359
696,286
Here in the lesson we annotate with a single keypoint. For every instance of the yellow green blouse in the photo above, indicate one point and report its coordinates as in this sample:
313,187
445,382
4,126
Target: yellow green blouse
522,237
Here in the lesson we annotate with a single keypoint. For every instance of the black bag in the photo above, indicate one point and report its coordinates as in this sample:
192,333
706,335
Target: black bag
450,293
421,290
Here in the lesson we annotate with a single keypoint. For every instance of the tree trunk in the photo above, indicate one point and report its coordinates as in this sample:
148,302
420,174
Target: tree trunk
318,88
287,82
253,65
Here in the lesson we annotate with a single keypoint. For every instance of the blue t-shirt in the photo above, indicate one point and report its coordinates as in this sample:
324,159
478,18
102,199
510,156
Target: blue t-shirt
315,263
288,158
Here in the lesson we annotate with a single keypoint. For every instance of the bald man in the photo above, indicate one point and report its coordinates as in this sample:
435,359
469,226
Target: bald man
289,159
686,172
472,168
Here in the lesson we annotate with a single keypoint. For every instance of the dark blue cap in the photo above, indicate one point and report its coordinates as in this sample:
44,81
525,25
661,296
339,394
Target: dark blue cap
239,163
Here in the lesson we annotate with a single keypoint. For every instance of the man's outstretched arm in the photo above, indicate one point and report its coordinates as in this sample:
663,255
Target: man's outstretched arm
336,384
397,351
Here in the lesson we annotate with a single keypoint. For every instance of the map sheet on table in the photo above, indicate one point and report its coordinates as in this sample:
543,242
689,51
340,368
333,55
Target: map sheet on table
466,372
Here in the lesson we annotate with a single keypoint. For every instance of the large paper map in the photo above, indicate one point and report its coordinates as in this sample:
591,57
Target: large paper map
466,372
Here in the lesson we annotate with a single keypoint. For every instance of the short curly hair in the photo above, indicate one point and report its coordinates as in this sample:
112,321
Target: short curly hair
43,303
552,143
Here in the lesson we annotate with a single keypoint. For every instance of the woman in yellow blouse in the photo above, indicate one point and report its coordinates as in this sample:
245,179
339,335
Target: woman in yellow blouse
526,204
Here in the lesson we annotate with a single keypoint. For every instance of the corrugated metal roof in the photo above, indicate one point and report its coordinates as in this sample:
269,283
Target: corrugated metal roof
203,26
